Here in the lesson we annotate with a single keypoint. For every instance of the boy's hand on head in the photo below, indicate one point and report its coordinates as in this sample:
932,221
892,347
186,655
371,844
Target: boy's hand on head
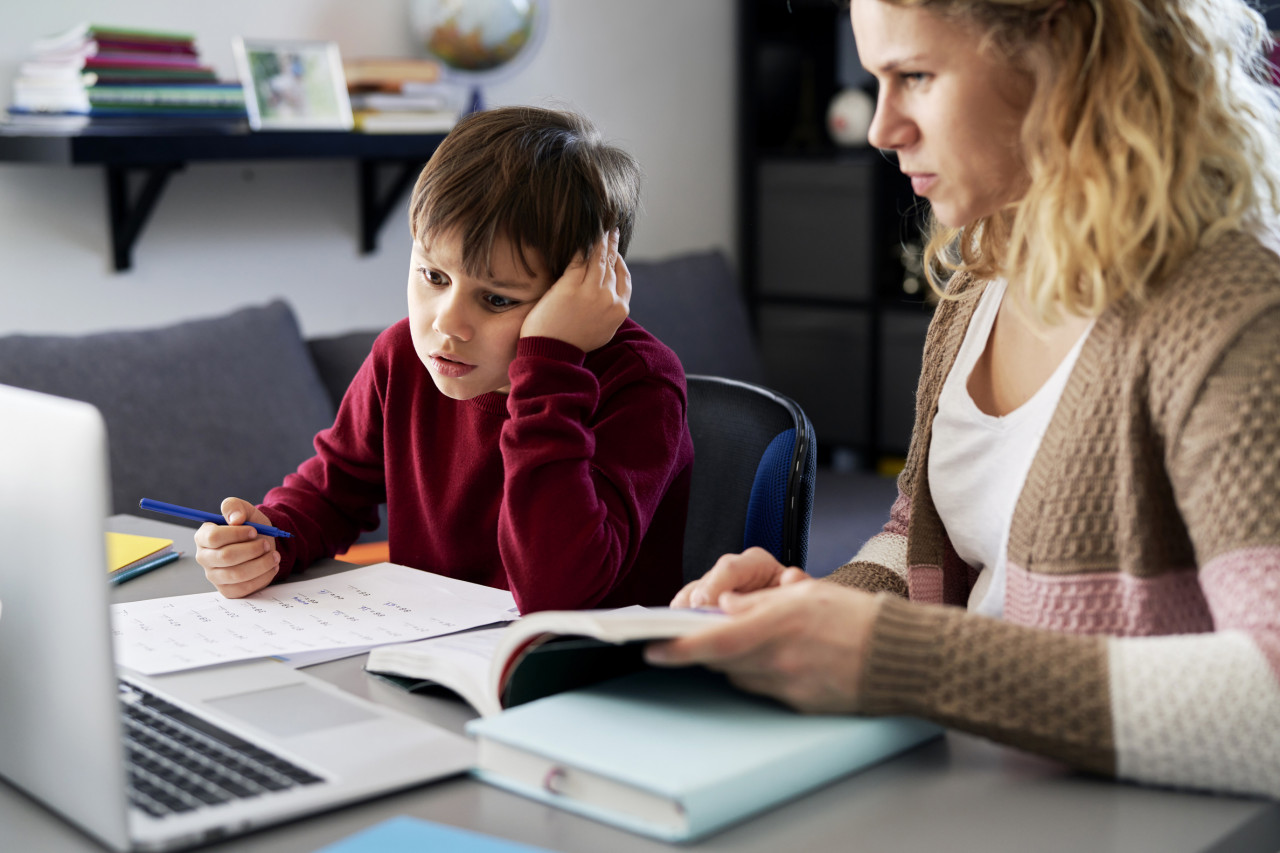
236,559
589,302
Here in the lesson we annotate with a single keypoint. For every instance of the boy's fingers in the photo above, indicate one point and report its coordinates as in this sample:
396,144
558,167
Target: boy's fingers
236,510
210,535
624,281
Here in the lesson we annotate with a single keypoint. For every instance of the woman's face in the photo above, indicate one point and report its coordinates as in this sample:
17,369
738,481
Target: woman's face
952,112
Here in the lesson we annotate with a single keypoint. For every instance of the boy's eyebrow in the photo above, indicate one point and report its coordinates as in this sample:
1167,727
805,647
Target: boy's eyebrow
522,286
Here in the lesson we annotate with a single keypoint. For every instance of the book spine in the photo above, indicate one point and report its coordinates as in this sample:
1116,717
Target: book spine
221,96
93,63
617,818
128,59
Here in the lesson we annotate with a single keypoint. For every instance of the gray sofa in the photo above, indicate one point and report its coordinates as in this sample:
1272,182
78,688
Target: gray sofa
227,405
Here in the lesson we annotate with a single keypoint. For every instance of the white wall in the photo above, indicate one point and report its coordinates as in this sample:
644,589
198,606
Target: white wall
656,77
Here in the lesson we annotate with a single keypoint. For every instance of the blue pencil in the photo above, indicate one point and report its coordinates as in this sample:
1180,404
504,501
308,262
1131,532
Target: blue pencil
201,515
143,568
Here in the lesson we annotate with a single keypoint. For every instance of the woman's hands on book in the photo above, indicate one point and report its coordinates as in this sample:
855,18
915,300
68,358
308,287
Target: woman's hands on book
798,640
236,559
754,568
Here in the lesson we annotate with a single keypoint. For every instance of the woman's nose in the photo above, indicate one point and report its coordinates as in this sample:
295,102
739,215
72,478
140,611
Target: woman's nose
890,129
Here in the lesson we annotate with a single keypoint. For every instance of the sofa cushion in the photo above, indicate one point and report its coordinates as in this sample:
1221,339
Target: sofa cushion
195,411
693,304
338,358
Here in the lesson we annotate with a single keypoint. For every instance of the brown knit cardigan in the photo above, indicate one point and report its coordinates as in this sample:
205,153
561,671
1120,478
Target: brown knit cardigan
1141,635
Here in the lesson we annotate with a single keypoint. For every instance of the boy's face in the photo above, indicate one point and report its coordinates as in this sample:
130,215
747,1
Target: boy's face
465,329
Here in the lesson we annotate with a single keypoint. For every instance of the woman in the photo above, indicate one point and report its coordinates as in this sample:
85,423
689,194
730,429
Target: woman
1093,466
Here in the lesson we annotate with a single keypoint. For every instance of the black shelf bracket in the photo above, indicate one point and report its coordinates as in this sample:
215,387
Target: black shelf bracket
375,207
127,217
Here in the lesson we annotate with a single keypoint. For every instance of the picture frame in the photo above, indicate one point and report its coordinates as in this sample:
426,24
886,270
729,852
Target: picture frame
292,85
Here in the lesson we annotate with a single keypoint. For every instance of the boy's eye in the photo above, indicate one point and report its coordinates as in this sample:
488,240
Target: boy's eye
493,300
432,277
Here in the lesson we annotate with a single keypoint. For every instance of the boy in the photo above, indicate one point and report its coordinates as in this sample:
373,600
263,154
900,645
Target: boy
522,432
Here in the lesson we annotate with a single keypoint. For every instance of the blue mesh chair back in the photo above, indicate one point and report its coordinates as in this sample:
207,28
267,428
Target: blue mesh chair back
755,462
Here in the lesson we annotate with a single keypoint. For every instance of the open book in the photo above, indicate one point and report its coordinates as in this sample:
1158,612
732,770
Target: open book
539,655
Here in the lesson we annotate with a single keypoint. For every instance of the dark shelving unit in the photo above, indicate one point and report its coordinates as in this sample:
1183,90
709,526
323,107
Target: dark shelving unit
139,164
830,237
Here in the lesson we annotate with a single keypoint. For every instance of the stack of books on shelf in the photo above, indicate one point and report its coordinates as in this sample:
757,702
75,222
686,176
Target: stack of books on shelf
100,76
400,95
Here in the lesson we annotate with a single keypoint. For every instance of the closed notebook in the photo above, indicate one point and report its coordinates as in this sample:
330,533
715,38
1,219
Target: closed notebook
406,834
127,550
676,754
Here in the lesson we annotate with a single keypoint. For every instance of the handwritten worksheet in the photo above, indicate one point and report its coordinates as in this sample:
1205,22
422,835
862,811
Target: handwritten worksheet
360,608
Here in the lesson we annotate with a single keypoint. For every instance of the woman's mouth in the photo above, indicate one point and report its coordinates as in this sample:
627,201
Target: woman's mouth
921,183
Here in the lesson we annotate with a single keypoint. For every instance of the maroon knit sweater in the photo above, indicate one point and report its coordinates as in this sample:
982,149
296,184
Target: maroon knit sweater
571,491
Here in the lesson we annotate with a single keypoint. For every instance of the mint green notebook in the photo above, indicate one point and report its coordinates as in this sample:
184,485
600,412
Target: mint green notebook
676,754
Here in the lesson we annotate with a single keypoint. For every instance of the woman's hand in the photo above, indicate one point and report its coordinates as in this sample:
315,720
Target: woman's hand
754,568
803,643
589,302
236,559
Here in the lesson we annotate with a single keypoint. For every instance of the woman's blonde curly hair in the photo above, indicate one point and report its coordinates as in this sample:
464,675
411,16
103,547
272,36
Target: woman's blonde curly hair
1153,129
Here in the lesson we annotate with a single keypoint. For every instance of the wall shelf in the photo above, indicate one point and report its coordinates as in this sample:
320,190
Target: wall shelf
151,158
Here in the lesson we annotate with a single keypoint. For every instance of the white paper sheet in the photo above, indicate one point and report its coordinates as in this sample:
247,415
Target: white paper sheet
356,609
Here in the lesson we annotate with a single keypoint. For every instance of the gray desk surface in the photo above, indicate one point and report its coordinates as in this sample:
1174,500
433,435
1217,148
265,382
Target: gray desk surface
959,793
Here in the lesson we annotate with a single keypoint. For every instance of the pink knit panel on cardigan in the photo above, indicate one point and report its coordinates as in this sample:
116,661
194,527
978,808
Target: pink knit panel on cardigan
924,583
1243,588
1112,603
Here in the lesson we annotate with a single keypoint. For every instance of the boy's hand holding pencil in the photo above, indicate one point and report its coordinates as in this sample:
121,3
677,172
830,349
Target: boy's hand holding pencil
235,557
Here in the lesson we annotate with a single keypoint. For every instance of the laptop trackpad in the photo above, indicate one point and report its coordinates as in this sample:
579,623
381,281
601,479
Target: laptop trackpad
291,710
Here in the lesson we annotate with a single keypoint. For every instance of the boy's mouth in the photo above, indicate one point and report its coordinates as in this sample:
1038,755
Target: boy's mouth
449,367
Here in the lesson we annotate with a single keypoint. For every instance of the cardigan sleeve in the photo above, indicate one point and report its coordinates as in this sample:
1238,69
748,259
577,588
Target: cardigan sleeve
881,564
1189,710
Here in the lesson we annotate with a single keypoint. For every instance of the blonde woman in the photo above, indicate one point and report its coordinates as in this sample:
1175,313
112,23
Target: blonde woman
1084,558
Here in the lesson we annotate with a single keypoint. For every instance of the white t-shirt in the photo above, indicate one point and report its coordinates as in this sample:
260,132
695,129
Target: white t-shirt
978,463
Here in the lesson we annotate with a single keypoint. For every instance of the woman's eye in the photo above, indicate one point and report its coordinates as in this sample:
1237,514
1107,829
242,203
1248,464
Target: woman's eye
913,77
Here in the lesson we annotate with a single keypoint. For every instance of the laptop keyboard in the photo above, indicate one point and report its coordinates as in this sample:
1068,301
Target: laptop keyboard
178,761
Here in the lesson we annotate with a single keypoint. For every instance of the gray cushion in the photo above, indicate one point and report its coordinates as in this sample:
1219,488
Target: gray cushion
338,357
195,411
693,304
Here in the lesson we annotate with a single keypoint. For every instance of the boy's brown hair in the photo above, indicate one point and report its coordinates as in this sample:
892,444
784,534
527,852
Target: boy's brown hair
541,178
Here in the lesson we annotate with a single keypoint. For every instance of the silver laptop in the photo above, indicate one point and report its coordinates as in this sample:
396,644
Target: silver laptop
163,762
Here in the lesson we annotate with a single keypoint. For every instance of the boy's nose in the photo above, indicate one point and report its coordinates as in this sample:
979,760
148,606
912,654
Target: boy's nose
451,320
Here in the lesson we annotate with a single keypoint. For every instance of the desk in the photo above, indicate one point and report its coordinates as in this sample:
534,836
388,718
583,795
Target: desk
956,794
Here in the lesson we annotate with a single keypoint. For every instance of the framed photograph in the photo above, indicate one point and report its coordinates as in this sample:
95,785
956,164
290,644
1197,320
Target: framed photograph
293,85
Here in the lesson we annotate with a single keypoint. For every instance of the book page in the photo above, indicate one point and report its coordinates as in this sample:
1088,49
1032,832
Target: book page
459,662
363,607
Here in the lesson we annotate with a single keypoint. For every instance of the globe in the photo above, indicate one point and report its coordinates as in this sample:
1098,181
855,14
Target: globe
479,41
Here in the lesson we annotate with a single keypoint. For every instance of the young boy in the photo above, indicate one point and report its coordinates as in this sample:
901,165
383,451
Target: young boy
522,432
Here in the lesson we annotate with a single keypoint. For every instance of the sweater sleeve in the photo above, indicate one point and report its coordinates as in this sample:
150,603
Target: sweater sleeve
335,494
587,462
881,564
1191,710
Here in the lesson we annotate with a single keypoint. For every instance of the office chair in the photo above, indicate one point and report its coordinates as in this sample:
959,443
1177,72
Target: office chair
755,461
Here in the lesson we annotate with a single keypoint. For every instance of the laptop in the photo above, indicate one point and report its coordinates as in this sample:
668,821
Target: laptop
165,762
